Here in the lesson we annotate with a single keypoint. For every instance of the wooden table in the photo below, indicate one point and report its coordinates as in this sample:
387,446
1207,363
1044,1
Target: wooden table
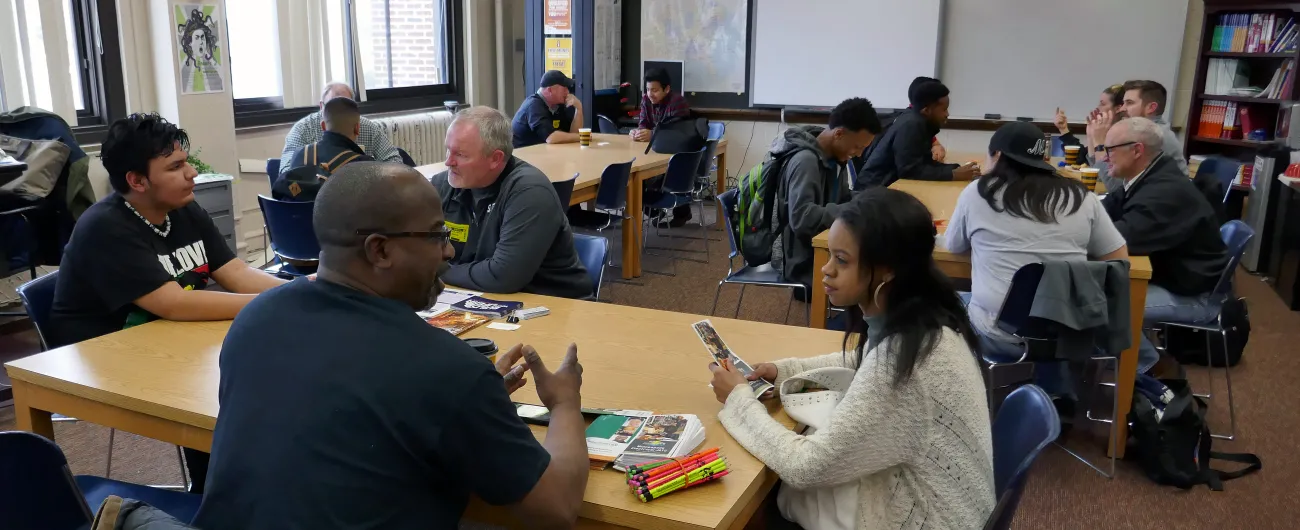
941,199
160,381
560,162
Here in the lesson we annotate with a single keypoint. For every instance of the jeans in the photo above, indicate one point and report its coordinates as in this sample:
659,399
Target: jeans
1164,306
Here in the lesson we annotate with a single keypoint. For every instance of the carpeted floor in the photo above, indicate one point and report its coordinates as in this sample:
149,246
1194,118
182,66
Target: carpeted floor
1061,493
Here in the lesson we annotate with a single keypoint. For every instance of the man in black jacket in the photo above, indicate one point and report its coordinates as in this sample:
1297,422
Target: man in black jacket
1161,214
904,151
340,119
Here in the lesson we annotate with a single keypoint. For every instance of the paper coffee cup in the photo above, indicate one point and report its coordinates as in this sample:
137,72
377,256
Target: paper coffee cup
584,130
1089,177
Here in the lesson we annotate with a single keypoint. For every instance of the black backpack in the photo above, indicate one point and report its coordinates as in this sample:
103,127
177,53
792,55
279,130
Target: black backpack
1188,345
1171,441
301,184
679,135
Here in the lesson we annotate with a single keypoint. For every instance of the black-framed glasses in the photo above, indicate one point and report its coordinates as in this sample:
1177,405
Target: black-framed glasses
1109,148
441,236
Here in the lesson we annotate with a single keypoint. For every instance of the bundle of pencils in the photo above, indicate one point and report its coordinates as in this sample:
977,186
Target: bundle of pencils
655,479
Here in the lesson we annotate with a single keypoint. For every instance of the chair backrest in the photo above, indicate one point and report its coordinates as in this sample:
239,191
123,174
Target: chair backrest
38,300
1224,170
1236,234
706,158
717,130
40,491
728,201
592,252
1025,424
1014,317
612,194
406,157
272,169
606,125
564,189
288,225
682,169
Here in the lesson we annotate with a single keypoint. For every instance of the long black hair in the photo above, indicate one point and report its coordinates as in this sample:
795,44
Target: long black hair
895,230
1029,192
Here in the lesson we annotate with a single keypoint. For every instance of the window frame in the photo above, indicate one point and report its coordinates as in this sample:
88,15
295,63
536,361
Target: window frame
103,87
259,112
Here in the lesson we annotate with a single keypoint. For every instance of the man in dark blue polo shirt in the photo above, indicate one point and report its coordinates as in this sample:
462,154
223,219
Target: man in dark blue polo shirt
552,115
356,413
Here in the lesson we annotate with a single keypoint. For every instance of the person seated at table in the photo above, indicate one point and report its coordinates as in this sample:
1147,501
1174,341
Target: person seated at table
341,121
552,115
911,431
906,149
1161,214
508,226
1142,99
814,181
1111,100
375,419
307,131
1021,212
148,250
659,103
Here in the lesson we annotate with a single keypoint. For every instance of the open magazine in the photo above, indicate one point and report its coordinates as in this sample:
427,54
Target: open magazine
720,352
661,437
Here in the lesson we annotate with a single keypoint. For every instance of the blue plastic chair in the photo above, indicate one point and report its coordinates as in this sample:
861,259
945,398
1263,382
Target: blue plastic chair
606,125
592,252
43,494
717,130
1236,234
273,170
38,299
292,238
1225,171
1024,426
611,195
564,190
678,189
763,275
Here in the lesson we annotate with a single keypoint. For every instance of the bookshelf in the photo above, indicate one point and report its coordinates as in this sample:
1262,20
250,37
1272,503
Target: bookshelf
1259,66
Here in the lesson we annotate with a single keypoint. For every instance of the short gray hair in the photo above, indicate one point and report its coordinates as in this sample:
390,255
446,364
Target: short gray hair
1145,132
493,128
332,87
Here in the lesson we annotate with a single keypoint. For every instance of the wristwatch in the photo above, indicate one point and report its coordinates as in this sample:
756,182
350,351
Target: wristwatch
1099,149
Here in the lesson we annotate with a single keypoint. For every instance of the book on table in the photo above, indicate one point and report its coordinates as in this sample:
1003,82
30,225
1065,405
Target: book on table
636,437
459,311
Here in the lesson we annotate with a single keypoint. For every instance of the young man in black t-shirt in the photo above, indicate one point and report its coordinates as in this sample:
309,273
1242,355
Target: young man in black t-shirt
147,250
375,419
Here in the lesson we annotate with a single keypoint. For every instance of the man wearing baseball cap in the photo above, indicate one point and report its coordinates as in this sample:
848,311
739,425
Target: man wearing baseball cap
552,115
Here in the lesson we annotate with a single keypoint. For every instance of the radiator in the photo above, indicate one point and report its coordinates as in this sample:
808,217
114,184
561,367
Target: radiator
423,136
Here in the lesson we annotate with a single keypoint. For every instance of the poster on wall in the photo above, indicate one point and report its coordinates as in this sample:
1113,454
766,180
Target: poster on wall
199,47
559,54
557,18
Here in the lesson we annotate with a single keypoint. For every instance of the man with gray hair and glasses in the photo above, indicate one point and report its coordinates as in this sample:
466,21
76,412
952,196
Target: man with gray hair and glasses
311,129
507,224
1161,214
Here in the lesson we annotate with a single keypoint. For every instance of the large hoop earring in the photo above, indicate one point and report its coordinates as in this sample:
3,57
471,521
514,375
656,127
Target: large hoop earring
875,296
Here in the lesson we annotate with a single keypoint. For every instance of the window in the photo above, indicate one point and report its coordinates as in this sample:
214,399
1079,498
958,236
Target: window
397,54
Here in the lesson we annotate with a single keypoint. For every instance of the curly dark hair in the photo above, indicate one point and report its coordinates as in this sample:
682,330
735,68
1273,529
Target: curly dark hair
133,141
197,21
855,114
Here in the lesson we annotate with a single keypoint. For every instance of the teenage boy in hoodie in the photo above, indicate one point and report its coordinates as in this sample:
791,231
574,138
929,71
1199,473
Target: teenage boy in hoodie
905,151
814,181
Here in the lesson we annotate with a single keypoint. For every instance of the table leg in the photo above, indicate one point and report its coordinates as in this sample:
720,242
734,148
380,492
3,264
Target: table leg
30,419
720,186
817,319
1128,364
632,229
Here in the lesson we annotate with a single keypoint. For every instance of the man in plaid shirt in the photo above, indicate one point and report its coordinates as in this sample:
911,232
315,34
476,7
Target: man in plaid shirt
308,131
659,103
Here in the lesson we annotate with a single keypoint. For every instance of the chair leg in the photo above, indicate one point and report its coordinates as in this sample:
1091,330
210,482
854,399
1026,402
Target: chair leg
717,292
739,301
108,468
185,472
787,308
1232,412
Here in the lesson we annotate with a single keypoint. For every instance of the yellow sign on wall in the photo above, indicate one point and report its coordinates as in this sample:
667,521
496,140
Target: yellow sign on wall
559,55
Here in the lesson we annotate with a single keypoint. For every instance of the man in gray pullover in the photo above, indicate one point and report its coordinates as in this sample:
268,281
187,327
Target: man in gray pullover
506,221
814,182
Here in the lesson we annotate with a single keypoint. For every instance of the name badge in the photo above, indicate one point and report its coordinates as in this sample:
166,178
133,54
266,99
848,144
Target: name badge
555,124
459,232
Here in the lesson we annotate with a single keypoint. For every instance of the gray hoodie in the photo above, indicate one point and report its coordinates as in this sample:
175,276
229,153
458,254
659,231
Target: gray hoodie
813,186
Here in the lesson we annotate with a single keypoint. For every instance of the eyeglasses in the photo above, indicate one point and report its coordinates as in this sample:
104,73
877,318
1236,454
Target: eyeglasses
440,236
1109,148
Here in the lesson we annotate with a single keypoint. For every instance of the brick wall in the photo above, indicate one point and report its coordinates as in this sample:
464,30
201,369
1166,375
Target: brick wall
415,28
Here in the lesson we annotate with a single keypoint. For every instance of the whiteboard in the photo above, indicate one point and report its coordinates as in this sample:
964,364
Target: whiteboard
1028,57
821,52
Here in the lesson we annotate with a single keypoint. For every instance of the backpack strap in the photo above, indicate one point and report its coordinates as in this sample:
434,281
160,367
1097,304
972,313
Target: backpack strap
331,166
1253,461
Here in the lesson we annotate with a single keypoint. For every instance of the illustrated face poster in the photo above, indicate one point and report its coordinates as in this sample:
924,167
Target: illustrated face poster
199,47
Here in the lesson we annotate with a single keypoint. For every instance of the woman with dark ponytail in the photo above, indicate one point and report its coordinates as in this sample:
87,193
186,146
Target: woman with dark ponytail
908,443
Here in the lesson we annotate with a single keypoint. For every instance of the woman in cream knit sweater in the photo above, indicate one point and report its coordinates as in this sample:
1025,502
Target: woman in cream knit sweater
912,429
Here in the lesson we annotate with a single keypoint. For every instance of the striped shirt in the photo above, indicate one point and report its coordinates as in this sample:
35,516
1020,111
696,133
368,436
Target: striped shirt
672,106
307,131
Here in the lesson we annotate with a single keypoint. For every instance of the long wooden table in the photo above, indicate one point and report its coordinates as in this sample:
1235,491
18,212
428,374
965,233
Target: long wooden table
560,162
941,199
160,381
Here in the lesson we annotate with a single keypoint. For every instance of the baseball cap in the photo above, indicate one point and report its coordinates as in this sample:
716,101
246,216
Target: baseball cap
556,77
1023,142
